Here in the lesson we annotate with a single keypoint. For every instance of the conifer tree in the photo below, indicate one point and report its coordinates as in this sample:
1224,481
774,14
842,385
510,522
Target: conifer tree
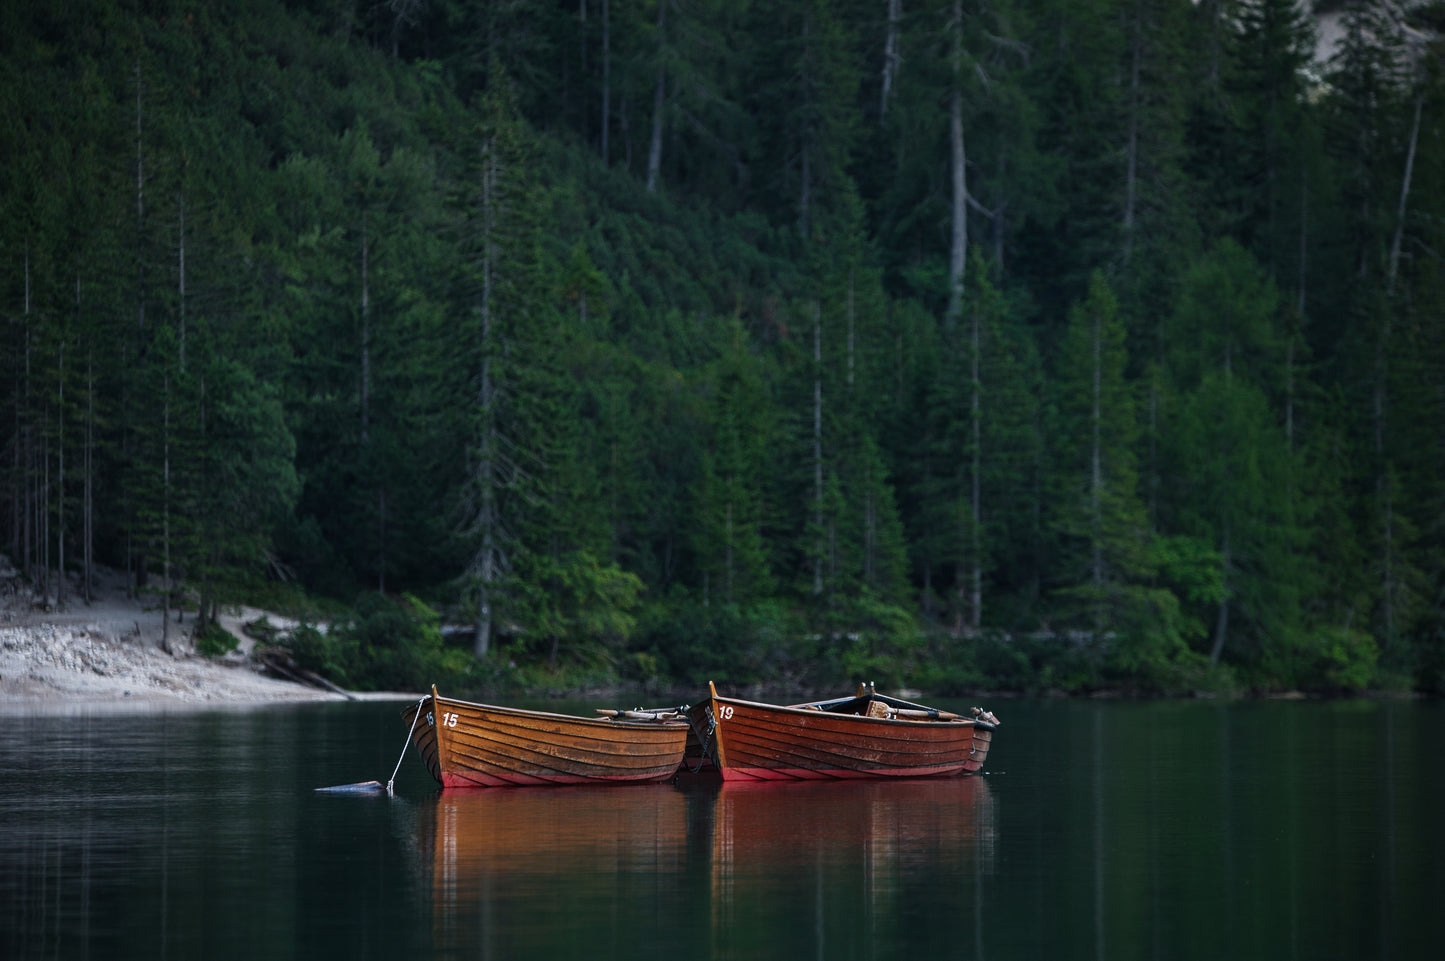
1228,452
808,82
501,290
1373,120
1099,514
883,552
732,553
243,478
984,434
1274,45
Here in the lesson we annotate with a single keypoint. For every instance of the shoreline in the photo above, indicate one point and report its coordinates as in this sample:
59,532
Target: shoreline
107,655
49,668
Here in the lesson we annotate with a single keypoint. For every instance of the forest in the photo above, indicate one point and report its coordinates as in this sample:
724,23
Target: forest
1067,346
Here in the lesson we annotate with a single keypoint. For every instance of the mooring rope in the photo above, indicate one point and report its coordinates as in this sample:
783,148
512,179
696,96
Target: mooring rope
404,745
705,741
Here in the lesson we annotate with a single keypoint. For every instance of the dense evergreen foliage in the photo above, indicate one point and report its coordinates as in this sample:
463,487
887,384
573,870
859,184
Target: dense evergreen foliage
1033,343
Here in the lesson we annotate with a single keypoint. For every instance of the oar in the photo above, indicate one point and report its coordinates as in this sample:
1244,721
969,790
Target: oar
360,787
821,705
368,787
658,715
978,715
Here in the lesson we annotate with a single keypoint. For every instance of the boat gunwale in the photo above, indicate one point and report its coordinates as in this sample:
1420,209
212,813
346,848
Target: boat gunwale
805,710
600,722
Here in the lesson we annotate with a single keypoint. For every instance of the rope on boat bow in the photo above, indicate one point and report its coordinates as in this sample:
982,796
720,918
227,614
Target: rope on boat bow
404,745
704,739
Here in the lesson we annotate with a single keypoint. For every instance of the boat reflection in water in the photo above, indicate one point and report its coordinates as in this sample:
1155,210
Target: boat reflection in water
747,866
790,861
537,863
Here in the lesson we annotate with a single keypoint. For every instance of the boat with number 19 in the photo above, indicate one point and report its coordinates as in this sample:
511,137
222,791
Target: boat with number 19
868,735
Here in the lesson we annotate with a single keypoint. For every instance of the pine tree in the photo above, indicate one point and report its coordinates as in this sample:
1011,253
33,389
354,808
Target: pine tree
983,430
808,84
1373,117
883,550
729,543
501,290
1272,49
1082,89
1111,557
243,478
1099,507
1228,455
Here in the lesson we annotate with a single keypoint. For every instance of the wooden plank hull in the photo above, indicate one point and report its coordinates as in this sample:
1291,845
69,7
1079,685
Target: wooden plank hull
753,741
465,744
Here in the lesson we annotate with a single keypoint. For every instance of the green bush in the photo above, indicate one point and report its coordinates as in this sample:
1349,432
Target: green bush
326,654
1347,659
384,645
722,642
213,640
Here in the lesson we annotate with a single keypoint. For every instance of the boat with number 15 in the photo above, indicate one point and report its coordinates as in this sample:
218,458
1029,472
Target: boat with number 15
465,744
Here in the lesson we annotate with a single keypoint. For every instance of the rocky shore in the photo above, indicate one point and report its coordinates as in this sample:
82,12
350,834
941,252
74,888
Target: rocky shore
67,654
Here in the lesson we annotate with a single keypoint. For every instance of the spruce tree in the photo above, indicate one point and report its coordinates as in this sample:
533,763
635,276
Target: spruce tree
1228,455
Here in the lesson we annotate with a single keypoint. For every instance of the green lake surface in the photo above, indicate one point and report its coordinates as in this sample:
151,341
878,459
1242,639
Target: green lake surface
1168,829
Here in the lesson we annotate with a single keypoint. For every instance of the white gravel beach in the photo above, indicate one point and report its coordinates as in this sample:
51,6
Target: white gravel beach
107,654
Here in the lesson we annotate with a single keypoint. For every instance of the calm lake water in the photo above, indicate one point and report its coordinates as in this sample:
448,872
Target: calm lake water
1101,830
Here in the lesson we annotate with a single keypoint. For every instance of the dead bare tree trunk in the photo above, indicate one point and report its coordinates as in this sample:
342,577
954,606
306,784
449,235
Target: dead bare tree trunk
366,392
139,205
60,482
365,332
381,540
1221,623
136,566
805,191
1096,466
958,250
42,519
890,56
1405,192
1096,471
654,153
181,304
23,448
975,493
166,516
485,567
88,512
1299,315
606,76
852,322
1131,163
17,499
818,443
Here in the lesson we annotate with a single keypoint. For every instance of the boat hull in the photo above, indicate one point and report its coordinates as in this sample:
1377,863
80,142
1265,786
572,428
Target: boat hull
465,744
753,741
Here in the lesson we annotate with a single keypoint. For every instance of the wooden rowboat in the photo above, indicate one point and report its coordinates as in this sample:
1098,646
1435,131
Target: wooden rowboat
865,736
480,745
